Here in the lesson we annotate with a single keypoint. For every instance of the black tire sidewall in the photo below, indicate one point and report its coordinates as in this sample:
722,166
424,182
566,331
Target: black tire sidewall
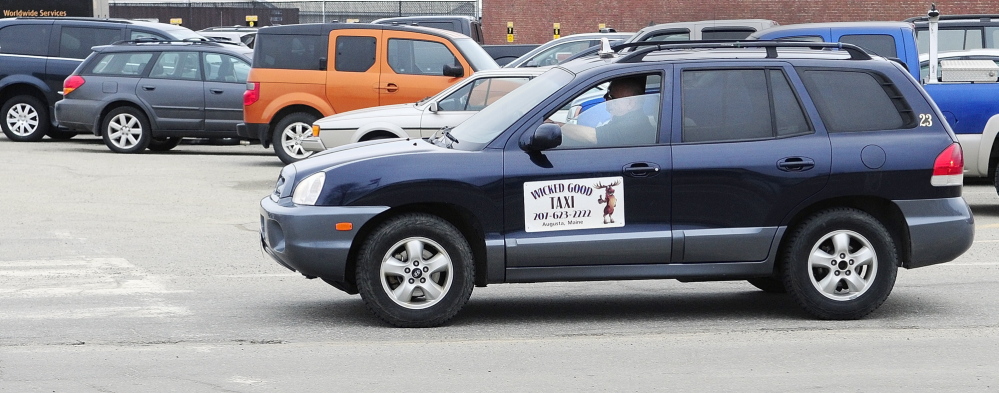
144,138
795,263
43,118
388,234
279,133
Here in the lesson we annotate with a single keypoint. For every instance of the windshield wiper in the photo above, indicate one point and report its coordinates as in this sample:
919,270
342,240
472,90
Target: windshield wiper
447,133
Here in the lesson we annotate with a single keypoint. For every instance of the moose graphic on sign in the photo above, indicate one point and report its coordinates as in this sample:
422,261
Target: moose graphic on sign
608,199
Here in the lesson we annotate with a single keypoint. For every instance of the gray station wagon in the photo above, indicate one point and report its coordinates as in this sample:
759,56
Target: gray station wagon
151,94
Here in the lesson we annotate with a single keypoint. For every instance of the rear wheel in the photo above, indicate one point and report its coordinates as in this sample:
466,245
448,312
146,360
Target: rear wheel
840,264
415,270
288,137
25,119
126,130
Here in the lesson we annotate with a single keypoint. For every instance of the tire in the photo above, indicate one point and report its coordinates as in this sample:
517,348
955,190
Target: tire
840,264
61,135
288,134
995,178
126,130
25,119
769,284
423,291
163,144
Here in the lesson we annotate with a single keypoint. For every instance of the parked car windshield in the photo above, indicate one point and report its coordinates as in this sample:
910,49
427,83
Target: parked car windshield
476,56
480,129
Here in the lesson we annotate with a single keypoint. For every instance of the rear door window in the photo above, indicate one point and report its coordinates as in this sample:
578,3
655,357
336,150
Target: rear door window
726,33
354,54
177,65
76,42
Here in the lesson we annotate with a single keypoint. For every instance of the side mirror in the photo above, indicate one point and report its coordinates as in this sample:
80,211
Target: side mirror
453,71
433,107
546,136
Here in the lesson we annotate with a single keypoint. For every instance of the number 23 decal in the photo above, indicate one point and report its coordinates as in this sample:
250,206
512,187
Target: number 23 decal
925,120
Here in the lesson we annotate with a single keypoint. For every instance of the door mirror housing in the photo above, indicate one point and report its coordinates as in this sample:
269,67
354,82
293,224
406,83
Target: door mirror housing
433,107
453,71
546,136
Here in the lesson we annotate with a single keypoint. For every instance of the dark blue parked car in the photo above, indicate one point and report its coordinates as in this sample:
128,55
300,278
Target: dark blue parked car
799,167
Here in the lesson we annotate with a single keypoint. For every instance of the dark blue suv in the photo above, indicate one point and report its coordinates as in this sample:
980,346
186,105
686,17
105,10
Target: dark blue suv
808,168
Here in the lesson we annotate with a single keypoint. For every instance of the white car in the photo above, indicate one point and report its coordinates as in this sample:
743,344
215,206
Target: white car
422,119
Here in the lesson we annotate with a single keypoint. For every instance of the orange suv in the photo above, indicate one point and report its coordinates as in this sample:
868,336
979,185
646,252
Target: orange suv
305,72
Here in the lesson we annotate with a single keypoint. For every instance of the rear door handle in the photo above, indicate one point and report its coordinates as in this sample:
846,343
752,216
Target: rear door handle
641,169
216,91
148,88
795,164
391,87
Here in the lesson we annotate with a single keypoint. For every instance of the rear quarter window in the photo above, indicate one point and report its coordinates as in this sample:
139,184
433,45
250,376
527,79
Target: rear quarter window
25,39
853,100
292,52
119,64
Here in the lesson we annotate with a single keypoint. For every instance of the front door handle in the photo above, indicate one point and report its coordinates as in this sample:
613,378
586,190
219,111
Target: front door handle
641,169
391,87
795,164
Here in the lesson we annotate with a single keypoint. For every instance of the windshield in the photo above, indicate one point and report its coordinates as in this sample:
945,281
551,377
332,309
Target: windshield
480,129
476,56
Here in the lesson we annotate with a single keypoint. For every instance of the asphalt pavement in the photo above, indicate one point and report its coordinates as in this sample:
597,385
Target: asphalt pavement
143,273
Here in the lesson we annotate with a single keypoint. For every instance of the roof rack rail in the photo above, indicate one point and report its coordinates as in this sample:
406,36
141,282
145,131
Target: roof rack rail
856,53
82,18
150,40
979,17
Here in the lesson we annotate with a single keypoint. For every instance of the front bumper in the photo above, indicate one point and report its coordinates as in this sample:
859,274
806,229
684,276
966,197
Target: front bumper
304,238
940,230
313,144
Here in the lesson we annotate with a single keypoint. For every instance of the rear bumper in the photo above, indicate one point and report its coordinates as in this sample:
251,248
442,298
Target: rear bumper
76,115
256,131
940,230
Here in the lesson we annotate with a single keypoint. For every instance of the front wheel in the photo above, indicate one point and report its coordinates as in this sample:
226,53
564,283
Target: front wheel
288,135
840,264
126,130
415,270
25,119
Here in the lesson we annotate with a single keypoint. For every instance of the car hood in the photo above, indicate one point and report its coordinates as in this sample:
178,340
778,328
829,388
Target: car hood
367,114
337,156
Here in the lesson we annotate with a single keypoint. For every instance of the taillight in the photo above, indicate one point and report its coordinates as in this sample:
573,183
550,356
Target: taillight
948,169
72,83
252,93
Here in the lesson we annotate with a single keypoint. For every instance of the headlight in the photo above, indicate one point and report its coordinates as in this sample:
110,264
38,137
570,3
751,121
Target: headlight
307,192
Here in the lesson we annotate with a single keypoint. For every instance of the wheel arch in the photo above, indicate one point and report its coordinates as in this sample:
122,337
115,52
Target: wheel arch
280,115
882,209
98,131
459,216
26,87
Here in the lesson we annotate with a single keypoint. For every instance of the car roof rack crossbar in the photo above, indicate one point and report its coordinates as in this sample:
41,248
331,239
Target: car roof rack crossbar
969,17
856,53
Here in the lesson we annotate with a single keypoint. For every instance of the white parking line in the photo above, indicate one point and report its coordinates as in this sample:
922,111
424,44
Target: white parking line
80,280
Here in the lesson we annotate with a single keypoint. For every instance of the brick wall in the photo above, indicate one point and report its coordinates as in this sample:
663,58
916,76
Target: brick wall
532,19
